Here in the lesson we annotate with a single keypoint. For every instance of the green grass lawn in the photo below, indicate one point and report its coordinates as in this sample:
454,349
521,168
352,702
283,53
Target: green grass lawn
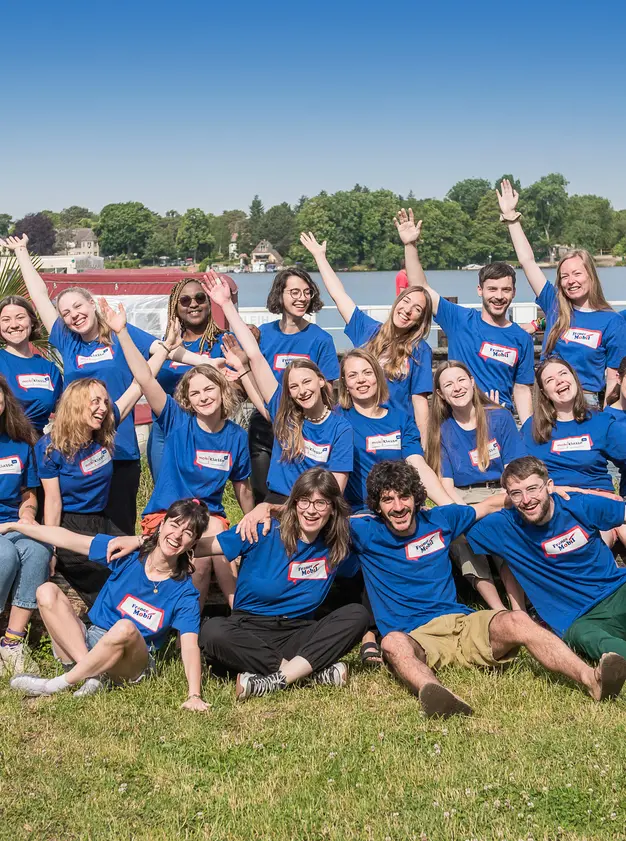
538,760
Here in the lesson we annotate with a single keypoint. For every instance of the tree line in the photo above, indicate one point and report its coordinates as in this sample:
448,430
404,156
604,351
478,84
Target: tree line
462,228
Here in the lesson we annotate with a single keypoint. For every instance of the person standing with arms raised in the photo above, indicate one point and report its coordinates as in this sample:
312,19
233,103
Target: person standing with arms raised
498,353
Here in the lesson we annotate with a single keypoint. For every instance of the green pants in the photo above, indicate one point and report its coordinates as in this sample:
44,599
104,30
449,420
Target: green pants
602,629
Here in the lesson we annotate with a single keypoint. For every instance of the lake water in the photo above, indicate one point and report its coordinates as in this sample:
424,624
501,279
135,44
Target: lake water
371,288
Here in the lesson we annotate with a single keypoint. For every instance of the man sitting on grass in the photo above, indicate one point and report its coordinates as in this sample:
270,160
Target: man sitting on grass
555,550
404,554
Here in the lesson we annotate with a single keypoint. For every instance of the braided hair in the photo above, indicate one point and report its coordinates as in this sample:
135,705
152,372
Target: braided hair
211,332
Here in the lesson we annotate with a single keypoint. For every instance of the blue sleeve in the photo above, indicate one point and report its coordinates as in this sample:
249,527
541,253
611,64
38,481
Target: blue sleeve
48,466
58,335
342,454
361,328
241,457
116,414
459,518
525,371
599,512
30,475
422,369
510,439
411,442
272,405
328,362
233,545
186,618
143,340
451,316
171,416
615,343
615,440
359,532
98,551
486,535
547,300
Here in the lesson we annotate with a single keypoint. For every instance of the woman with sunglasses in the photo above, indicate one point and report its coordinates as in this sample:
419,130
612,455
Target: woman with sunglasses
294,295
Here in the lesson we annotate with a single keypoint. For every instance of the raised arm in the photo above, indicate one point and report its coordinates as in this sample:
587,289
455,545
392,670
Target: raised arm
334,286
409,232
127,402
54,535
430,480
220,294
507,199
238,371
34,282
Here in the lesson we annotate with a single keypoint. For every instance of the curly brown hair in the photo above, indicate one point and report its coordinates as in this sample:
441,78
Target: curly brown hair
229,400
35,322
13,421
395,476
275,297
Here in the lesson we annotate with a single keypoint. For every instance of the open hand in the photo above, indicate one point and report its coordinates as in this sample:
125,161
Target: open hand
405,223
195,704
312,245
115,321
494,396
174,334
13,243
234,355
216,289
247,526
507,199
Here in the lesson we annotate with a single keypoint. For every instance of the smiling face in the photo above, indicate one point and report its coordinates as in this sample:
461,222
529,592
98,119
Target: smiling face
531,497
558,383
574,280
15,325
456,387
175,537
314,512
97,409
305,387
398,509
409,310
497,295
204,396
296,296
360,379
78,313
193,307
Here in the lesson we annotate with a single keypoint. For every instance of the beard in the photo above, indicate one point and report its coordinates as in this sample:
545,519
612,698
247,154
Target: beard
538,514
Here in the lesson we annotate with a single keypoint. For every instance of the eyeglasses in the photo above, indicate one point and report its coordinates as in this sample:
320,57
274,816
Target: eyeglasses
299,293
304,503
199,298
531,492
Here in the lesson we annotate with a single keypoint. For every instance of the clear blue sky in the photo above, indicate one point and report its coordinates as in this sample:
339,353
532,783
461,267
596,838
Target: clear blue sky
203,104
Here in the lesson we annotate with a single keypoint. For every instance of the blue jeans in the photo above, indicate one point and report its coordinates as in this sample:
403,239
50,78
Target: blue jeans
24,566
154,449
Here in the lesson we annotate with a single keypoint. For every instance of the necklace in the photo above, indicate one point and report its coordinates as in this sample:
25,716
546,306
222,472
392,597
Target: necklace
155,584
321,417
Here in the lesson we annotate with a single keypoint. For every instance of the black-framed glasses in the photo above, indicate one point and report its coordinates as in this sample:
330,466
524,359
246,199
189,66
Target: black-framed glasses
304,503
199,298
531,492
299,293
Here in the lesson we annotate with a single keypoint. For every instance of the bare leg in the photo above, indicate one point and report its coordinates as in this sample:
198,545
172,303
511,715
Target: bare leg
295,669
489,592
201,578
65,628
19,617
609,537
513,589
121,653
224,571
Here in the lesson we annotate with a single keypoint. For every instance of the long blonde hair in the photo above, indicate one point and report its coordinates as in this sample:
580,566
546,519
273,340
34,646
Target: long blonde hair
290,416
544,415
104,331
596,301
394,346
229,401
440,411
382,391
70,431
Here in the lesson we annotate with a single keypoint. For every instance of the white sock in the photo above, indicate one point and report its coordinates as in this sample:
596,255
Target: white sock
89,687
57,684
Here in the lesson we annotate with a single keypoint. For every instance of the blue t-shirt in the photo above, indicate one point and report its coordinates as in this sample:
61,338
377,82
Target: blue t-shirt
93,359
459,456
17,472
409,579
84,481
272,584
328,444
171,372
197,463
36,382
564,566
390,438
313,343
594,342
497,357
128,593
620,464
577,453
419,375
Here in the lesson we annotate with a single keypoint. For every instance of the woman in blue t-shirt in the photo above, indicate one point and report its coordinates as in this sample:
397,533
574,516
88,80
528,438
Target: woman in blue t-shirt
87,350
36,382
470,441
24,563
616,407
148,594
307,433
581,325
399,344
293,296
203,448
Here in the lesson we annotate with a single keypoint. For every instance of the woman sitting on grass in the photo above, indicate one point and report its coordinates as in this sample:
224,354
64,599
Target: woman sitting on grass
148,594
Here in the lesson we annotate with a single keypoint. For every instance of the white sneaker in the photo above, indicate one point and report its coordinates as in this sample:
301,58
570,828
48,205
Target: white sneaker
335,675
30,685
89,687
17,660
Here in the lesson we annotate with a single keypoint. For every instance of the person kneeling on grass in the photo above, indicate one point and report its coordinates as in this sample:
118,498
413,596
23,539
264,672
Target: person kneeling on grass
404,555
147,594
271,639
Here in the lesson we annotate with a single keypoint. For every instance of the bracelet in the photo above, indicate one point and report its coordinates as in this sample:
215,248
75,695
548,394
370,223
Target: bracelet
243,373
189,697
34,507
163,345
504,219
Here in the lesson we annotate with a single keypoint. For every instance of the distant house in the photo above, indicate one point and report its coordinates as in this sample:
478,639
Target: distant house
81,242
232,247
263,254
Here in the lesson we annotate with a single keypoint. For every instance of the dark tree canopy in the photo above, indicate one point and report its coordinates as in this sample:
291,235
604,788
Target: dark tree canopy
40,231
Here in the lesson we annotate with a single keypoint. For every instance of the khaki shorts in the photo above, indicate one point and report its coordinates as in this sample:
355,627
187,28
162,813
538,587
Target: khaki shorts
461,639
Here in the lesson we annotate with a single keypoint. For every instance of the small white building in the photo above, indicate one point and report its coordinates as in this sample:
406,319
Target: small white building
233,254
81,242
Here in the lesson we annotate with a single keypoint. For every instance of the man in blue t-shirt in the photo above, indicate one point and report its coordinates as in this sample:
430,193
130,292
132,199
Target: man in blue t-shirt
554,548
498,352
404,555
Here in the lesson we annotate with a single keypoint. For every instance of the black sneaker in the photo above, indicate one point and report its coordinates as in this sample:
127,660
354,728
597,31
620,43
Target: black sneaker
335,675
249,684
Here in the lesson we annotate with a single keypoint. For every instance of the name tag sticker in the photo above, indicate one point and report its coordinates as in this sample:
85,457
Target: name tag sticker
101,354
588,338
11,465
27,381
426,545
494,452
387,441
313,570
141,612
95,462
499,353
217,459
281,360
317,452
571,540
574,443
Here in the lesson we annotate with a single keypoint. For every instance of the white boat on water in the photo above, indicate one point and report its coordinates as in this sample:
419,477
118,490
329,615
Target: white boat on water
471,267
